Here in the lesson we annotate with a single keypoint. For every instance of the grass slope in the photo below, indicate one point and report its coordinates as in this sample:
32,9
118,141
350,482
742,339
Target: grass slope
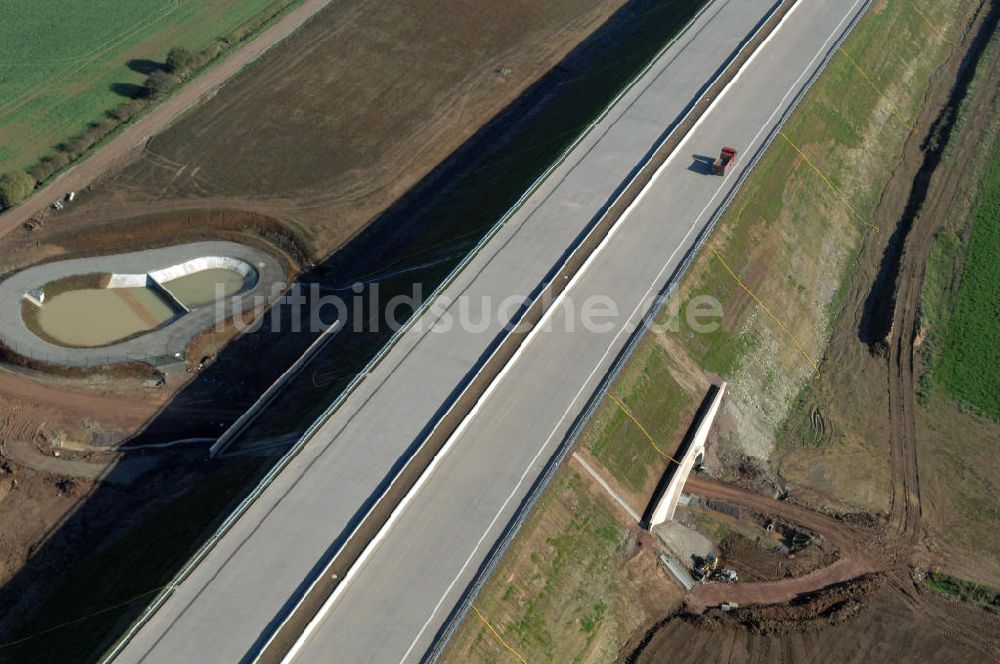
551,598
792,241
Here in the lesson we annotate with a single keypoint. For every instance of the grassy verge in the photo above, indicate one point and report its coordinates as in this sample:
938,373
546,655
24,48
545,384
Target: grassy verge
653,396
554,596
965,591
75,73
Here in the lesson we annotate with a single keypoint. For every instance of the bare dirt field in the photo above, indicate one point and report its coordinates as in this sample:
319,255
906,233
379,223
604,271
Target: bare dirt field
332,126
871,621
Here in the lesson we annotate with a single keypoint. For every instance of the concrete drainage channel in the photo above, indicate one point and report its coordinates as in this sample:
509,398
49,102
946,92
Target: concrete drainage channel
327,582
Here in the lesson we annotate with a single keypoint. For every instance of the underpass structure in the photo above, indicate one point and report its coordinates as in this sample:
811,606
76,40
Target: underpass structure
664,505
398,600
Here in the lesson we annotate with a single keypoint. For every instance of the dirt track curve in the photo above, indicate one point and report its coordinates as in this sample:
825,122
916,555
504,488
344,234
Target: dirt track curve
860,552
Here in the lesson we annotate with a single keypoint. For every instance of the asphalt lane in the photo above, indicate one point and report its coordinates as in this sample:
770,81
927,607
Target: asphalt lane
231,602
395,603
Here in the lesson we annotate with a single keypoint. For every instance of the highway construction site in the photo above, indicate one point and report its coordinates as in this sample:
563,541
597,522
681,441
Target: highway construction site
876,583
859,578
872,600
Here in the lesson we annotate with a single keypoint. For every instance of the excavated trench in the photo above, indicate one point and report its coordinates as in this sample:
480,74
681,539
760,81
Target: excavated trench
880,305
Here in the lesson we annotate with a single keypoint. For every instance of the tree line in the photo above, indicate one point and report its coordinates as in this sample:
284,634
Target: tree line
15,186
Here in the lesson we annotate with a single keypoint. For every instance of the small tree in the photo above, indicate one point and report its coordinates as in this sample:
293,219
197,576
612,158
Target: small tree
15,187
157,84
179,60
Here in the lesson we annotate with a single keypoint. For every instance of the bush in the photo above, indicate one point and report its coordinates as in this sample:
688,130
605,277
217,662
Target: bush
158,84
15,187
127,111
179,60
48,165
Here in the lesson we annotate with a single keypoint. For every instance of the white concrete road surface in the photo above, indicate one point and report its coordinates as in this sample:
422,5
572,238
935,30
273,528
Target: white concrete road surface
393,606
391,610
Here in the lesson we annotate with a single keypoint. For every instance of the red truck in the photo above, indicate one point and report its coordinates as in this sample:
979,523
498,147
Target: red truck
721,165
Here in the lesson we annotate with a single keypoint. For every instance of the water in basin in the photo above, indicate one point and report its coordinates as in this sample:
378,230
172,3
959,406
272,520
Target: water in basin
200,288
100,316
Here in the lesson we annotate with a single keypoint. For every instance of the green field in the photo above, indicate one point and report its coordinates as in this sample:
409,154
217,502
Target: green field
64,64
969,367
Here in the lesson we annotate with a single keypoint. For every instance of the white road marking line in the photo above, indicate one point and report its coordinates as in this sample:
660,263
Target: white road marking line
540,326
468,560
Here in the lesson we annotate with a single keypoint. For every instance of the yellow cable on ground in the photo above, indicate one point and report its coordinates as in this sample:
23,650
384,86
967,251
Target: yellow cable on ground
768,311
877,90
928,22
828,183
497,635
80,619
642,429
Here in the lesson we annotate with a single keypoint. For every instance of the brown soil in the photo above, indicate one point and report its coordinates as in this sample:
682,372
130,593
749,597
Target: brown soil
847,610
926,203
32,502
324,149
858,552
126,145
870,620
754,561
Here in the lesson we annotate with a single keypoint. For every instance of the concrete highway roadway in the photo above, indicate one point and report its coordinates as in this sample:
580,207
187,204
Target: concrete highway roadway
394,603
392,608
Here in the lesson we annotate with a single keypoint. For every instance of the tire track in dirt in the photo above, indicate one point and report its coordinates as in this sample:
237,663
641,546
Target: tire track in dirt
860,553
915,202
931,192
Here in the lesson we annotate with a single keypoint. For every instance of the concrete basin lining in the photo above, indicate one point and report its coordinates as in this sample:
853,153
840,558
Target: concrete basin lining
192,266
261,270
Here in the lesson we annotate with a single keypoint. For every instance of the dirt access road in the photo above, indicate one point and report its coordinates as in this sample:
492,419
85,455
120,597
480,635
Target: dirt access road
129,143
929,197
860,552
915,203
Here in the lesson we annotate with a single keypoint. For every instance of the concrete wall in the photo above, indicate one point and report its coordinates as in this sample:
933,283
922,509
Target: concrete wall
664,506
192,266
128,281
200,265
157,278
